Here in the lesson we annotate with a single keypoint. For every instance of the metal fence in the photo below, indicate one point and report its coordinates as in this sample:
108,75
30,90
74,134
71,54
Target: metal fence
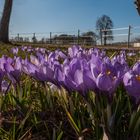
120,36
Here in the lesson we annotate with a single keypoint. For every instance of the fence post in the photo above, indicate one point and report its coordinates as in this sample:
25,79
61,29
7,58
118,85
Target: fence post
34,38
50,37
129,33
78,39
34,35
18,37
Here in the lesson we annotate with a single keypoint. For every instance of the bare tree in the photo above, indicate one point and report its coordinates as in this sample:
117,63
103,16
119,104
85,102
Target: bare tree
103,26
137,39
5,20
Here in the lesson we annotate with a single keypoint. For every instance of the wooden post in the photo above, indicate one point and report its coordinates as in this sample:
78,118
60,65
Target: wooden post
50,37
18,37
129,33
34,38
78,39
101,37
34,35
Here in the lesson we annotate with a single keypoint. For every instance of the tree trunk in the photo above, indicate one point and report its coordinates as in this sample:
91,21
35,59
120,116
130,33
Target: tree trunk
5,20
105,37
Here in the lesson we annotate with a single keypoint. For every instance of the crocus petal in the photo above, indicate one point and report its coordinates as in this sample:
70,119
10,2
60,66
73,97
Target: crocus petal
132,85
106,83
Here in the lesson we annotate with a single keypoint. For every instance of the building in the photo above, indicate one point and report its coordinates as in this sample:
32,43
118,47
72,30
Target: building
65,39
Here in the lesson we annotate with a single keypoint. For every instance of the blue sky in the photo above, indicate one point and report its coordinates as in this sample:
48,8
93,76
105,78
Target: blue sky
69,15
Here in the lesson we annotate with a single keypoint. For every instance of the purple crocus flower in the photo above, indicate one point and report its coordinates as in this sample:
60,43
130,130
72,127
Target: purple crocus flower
34,60
29,68
2,73
24,48
4,86
29,49
107,80
136,68
130,54
33,69
40,70
120,65
89,80
49,72
132,82
77,76
75,82
15,50
95,66
62,55
73,51
2,70
104,75
60,76
42,50
13,69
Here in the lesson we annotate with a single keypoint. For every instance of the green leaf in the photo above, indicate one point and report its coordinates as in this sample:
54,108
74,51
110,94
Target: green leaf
77,130
14,129
60,136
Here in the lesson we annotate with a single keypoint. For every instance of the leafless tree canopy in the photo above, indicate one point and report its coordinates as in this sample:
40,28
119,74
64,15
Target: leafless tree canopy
104,23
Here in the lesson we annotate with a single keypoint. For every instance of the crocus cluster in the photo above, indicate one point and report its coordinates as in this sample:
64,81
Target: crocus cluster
77,69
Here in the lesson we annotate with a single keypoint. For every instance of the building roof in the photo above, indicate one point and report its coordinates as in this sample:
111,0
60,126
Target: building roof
137,3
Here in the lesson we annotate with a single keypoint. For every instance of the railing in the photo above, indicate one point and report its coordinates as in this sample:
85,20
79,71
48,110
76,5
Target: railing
120,36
